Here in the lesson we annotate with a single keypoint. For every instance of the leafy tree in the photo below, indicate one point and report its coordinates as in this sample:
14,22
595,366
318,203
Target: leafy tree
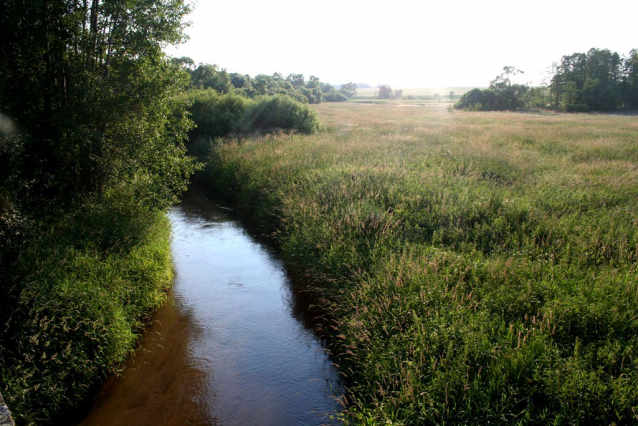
208,76
185,62
502,94
297,80
509,95
349,90
630,81
327,88
598,80
334,96
385,92
90,88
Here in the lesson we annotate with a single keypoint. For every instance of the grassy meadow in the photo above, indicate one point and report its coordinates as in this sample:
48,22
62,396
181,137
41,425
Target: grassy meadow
480,268
421,94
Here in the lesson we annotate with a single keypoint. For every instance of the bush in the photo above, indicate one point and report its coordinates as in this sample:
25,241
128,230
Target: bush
480,100
278,113
334,96
215,114
85,285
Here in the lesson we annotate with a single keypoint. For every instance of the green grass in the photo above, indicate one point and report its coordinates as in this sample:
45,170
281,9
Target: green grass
85,287
480,268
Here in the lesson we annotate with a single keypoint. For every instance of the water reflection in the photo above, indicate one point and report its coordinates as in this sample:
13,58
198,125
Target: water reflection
232,350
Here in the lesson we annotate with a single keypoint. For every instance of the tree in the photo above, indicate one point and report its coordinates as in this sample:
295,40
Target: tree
385,92
185,62
510,96
89,86
630,81
297,80
208,76
598,80
349,90
502,94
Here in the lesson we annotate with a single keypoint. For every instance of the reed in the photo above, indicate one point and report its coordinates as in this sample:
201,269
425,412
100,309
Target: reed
85,285
480,268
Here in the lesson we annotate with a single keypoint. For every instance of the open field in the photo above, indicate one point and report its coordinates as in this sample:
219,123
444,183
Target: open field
480,267
428,92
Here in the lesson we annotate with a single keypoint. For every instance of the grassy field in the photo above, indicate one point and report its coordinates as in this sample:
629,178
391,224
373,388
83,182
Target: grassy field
424,92
480,268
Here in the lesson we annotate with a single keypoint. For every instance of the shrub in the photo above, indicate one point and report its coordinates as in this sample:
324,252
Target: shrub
215,114
334,96
86,285
278,113
480,100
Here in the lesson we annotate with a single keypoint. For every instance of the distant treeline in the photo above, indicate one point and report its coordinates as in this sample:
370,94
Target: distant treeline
312,91
599,80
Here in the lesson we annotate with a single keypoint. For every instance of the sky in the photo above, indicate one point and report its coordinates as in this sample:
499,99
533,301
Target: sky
404,43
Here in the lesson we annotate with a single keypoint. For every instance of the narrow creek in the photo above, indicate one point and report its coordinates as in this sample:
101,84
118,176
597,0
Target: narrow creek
234,345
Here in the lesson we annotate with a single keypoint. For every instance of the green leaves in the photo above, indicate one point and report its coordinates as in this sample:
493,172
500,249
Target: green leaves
89,85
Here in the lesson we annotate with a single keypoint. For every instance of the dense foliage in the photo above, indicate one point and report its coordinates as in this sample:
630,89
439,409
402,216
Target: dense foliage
313,91
599,80
502,95
480,269
91,149
217,114
84,290
92,95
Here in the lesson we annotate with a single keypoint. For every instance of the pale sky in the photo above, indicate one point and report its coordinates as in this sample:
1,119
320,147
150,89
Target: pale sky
404,43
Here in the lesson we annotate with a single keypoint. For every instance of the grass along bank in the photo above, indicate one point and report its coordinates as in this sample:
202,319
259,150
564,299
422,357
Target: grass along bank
480,267
84,287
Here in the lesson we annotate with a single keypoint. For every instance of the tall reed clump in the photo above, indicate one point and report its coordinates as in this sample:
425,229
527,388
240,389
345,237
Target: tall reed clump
479,268
86,285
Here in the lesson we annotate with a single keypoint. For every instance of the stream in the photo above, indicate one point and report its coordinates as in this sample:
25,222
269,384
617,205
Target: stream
233,346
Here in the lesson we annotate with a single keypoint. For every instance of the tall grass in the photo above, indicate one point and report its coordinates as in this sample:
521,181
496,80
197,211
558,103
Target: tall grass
84,288
480,268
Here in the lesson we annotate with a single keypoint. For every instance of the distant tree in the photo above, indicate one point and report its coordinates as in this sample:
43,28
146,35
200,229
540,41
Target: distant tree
509,95
313,82
349,90
240,81
297,80
326,88
630,81
502,94
207,76
184,62
451,94
385,92
598,80
334,96
398,93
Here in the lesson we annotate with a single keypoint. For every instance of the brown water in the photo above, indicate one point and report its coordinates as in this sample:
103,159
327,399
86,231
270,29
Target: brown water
234,345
